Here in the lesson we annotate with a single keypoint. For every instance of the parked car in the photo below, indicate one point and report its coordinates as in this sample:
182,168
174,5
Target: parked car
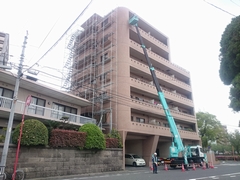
134,160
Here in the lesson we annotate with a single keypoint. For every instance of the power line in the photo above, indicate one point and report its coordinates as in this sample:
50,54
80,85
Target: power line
60,37
235,3
46,37
220,8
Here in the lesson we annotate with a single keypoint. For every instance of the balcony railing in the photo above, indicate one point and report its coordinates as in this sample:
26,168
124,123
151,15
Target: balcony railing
43,112
160,72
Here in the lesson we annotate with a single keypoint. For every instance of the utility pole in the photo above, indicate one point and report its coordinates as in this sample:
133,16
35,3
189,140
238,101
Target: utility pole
11,116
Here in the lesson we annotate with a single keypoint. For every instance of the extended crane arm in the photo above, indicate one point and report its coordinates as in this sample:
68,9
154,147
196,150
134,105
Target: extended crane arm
177,145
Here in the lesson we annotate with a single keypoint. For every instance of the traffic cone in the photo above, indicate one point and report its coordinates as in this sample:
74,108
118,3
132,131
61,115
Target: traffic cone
194,167
165,167
204,165
183,168
211,165
151,168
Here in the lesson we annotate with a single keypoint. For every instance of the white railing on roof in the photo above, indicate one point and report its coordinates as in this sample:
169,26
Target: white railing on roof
43,112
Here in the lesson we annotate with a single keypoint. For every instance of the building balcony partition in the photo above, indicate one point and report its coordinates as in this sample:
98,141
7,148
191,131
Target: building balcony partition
160,59
40,112
149,37
142,66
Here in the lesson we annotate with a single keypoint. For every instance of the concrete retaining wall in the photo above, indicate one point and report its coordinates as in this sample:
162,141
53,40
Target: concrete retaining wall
45,162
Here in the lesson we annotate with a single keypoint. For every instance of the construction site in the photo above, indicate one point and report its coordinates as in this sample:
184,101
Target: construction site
89,66
104,63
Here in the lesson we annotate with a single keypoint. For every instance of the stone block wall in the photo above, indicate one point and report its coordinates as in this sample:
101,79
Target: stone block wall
46,162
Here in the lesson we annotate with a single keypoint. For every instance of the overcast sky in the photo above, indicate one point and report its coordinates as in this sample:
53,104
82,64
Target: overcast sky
193,27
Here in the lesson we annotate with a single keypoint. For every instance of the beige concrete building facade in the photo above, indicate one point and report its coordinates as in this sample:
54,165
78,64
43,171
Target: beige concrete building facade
47,104
106,65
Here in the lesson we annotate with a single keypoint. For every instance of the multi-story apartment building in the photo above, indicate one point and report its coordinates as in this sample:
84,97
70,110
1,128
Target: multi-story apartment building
4,48
47,104
107,66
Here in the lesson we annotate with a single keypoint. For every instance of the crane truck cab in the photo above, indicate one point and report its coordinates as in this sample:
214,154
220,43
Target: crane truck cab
196,151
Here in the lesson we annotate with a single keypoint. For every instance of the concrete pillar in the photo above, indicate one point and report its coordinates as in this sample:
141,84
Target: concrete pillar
149,147
123,136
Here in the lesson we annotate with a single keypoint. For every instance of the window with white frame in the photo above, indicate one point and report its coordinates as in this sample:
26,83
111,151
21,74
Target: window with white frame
6,97
37,106
59,111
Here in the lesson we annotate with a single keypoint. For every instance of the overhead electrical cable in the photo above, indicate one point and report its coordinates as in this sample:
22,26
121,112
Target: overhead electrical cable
235,3
220,8
45,37
60,37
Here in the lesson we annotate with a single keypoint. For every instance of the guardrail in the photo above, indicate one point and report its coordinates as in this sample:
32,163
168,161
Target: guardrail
227,158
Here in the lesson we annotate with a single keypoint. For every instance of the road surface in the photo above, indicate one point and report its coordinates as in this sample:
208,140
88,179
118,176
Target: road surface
224,171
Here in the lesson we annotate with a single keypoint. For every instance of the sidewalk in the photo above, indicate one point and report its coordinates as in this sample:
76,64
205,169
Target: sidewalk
127,170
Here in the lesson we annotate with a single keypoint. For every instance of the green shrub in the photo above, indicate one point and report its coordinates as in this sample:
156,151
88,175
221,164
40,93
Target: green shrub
115,134
34,133
2,138
95,138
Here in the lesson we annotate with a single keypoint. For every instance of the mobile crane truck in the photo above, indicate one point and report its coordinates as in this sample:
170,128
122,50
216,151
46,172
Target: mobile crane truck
190,154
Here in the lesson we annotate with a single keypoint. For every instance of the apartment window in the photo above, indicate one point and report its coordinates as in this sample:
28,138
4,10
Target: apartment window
5,100
104,57
105,40
141,120
37,106
105,22
60,111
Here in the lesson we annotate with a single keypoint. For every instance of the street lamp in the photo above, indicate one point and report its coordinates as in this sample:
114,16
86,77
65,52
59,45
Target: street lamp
10,121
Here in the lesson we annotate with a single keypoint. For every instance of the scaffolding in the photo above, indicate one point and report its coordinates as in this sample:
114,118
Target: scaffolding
88,66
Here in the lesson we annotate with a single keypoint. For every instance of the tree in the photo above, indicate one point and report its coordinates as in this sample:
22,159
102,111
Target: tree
234,139
210,129
221,148
230,61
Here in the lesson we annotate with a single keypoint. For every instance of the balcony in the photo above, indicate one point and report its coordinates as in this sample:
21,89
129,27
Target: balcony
157,109
150,38
161,130
40,112
161,75
136,46
150,88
